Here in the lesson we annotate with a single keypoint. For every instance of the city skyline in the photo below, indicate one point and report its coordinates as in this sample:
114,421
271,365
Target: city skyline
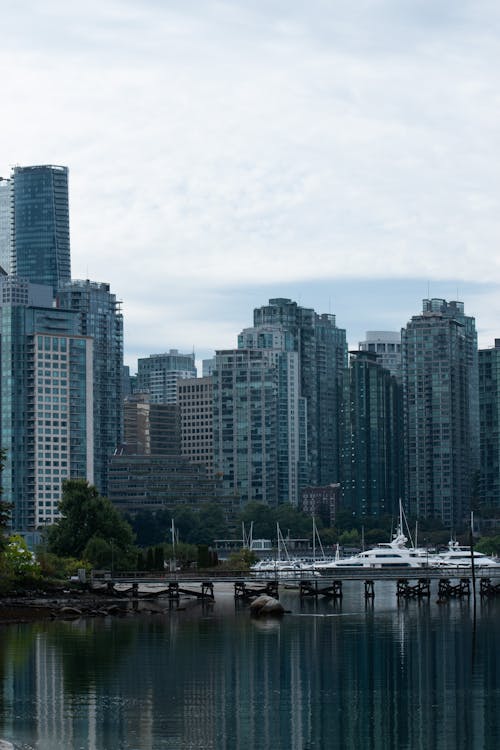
224,153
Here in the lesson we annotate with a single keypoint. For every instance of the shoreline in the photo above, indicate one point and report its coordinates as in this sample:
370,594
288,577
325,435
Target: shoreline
67,604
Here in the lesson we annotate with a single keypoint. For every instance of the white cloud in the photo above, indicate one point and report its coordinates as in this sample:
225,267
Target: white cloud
220,145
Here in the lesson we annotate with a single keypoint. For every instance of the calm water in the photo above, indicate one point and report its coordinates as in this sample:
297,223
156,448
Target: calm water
385,676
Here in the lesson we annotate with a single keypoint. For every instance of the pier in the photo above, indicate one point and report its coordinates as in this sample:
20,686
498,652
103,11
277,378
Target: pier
411,583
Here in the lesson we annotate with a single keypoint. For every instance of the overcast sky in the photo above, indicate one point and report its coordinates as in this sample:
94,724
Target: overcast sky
342,153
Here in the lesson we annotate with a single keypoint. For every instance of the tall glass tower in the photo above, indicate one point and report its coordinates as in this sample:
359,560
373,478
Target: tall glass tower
158,374
40,229
100,317
6,247
322,352
373,473
440,377
46,402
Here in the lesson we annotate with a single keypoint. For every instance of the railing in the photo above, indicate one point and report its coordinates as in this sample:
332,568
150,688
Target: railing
338,574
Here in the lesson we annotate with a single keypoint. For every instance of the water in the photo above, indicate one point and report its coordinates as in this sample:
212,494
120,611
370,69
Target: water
408,676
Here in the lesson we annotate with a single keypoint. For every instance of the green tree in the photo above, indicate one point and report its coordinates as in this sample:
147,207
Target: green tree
241,559
18,558
86,516
5,508
489,545
212,524
264,522
186,522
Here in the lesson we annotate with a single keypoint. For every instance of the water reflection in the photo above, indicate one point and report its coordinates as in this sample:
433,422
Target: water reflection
327,675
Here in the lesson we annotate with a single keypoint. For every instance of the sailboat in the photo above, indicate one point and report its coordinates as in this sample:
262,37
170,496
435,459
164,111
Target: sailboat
283,566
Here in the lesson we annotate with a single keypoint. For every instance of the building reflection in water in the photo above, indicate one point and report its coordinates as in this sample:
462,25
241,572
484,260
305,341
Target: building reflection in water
400,678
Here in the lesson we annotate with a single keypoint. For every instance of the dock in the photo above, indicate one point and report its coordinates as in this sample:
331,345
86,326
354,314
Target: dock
410,583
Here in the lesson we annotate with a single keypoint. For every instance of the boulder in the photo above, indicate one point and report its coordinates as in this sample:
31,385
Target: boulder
266,605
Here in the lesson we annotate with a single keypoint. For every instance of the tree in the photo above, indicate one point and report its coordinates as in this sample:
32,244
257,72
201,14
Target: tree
5,508
18,558
212,524
85,518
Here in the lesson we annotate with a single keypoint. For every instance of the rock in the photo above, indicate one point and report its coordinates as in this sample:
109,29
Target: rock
71,611
266,605
4,745
258,603
274,607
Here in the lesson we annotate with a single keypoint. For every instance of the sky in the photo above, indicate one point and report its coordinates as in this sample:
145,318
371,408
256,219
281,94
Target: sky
344,154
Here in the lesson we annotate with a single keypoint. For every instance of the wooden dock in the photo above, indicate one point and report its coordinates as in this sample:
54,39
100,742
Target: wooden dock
411,583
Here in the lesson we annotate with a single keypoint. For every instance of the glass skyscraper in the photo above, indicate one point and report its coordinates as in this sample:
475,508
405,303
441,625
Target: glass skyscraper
40,225
258,422
489,405
322,352
100,317
440,379
45,402
6,221
158,374
373,458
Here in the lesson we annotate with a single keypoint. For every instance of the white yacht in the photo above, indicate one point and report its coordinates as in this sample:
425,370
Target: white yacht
459,556
393,554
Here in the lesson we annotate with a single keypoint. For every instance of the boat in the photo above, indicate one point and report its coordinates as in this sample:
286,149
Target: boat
282,567
459,556
393,554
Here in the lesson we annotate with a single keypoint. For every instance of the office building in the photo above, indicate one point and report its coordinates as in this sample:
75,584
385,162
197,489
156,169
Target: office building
195,402
322,502
46,402
6,226
374,457
439,350
158,374
387,346
150,429
151,483
40,225
259,419
100,317
489,411
322,351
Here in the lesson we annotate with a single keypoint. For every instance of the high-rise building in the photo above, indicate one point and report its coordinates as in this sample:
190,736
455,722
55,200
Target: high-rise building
387,346
40,225
374,457
150,429
46,402
322,352
158,374
259,421
489,411
441,416
148,471
6,225
100,317
195,401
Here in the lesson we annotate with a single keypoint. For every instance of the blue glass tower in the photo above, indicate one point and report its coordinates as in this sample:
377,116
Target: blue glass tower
100,318
41,225
46,401
440,377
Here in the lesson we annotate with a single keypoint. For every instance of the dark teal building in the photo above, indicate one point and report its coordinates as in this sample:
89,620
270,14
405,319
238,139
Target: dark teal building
440,378
322,350
40,225
99,317
373,456
489,413
46,402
